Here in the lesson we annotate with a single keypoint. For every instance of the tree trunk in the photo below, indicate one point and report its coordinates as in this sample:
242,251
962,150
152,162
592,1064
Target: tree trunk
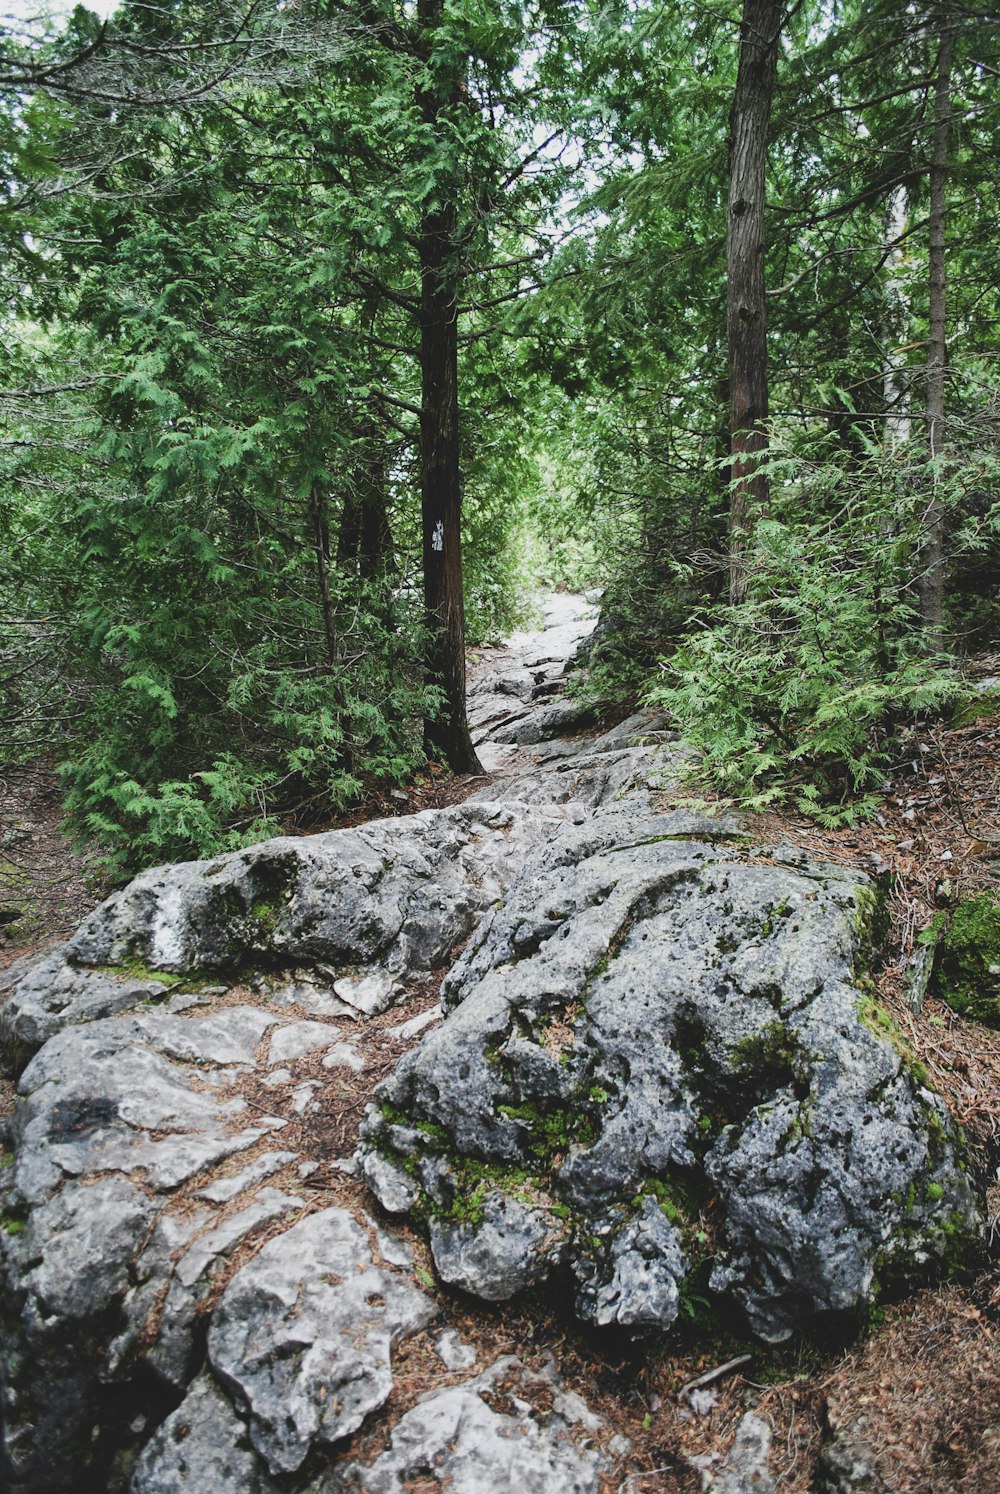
895,385
321,540
321,544
746,325
440,473
375,539
932,557
365,538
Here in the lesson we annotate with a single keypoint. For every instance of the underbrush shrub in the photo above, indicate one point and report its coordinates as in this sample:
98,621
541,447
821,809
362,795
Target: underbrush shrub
799,692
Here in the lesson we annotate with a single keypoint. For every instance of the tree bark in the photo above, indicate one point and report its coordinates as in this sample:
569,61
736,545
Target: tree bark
931,589
895,385
448,734
365,539
746,324
321,540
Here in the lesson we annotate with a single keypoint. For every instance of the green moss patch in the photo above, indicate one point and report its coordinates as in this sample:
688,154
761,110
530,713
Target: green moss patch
546,1133
878,1021
966,971
871,919
474,1181
134,969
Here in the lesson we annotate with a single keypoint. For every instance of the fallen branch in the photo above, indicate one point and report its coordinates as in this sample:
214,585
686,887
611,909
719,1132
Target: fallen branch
715,1374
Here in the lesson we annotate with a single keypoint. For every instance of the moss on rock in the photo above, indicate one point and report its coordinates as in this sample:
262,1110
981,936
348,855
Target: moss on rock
967,962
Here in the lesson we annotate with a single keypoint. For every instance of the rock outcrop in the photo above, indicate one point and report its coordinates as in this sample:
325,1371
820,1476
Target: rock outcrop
654,1076
477,1439
393,896
137,1093
656,1056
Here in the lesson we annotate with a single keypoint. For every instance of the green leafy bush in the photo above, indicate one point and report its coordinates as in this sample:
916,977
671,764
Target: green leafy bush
798,693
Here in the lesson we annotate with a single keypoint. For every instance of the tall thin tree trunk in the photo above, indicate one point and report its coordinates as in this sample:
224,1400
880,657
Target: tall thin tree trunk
746,324
365,538
375,539
895,386
321,545
932,556
321,541
447,736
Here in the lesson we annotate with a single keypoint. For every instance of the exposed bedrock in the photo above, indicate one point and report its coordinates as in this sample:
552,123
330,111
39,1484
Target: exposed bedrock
139,1177
656,1076
393,895
658,1070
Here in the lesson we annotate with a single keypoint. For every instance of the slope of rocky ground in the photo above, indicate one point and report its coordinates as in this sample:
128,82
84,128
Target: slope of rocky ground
651,1098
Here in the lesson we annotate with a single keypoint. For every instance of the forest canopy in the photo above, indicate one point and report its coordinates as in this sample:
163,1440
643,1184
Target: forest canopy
331,330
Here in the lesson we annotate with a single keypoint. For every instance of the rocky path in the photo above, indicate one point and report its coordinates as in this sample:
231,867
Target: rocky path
651,1074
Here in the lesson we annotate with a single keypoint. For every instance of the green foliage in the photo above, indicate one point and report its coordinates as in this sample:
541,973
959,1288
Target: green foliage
221,635
799,692
967,960
257,730
209,536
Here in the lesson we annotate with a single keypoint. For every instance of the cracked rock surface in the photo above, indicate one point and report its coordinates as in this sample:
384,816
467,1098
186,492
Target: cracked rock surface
464,1444
302,1336
651,1064
370,905
656,1046
176,1310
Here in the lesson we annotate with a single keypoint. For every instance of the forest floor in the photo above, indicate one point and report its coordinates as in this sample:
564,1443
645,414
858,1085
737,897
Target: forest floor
921,1386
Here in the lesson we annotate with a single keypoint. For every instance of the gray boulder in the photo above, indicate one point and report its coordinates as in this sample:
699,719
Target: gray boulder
112,1119
175,1276
553,719
460,1440
662,1020
508,1245
848,1461
744,1469
201,1448
303,1333
624,764
394,894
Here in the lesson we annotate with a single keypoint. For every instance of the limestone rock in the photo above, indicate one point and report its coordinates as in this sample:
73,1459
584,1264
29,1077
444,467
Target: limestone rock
112,1117
82,1240
453,1353
662,1018
456,1439
848,1462
650,1056
128,1192
52,992
552,720
509,1248
637,1281
744,1468
303,1333
848,1466
394,894
201,1448
173,1284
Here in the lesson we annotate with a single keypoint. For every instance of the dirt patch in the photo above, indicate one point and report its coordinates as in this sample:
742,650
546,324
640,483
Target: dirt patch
46,889
925,1393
